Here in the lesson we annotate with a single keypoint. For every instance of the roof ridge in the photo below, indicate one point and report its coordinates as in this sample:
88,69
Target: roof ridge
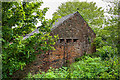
61,20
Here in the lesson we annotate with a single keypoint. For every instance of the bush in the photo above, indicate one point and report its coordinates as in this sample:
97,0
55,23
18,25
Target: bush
106,52
88,67
16,51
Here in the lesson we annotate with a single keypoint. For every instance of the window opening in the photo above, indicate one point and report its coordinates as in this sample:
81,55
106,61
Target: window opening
61,40
75,40
60,47
68,40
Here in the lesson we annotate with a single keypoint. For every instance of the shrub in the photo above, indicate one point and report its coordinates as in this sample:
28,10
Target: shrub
88,67
107,52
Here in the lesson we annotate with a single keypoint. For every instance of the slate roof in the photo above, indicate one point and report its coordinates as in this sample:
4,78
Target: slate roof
30,34
60,21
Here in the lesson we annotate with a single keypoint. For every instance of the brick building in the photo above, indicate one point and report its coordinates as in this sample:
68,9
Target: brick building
75,39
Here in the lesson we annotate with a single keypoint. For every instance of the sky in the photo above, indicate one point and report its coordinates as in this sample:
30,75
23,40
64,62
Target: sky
54,4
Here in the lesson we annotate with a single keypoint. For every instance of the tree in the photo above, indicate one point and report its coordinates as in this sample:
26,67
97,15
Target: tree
93,15
19,19
89,11
111,32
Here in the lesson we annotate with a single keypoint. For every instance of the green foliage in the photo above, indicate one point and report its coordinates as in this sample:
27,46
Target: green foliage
105,62
0,63
88,67
52,73
89,11
18,19
111,32
107,52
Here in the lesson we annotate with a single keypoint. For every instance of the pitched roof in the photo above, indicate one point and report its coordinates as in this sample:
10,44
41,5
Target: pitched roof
60,20
30,34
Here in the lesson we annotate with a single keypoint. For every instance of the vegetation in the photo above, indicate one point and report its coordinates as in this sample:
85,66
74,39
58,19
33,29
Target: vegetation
93,15
87,67
19,19
106,29
105,62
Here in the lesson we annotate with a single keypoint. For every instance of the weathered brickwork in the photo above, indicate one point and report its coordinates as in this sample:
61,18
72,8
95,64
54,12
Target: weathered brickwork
75,39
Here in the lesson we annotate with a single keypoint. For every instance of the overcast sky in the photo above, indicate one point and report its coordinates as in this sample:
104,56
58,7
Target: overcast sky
54,4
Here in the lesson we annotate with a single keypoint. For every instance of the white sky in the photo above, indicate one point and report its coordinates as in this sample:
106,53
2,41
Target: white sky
54,4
